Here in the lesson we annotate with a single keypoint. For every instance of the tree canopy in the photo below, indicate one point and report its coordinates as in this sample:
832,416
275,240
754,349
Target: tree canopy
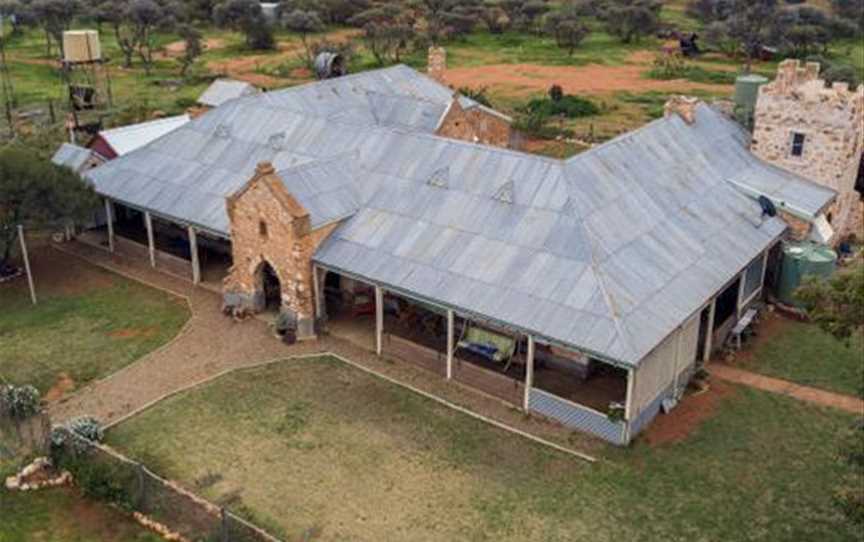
36,193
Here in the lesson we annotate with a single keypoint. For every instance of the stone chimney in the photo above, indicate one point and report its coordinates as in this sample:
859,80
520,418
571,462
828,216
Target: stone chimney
436,63
683,106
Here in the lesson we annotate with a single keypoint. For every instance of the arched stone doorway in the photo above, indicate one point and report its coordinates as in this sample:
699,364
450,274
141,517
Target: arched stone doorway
269,288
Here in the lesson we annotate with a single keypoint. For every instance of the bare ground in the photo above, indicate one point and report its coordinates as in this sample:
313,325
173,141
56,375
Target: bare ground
525,79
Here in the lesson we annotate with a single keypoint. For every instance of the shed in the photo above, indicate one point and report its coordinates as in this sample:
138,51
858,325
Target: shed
224,90
125,139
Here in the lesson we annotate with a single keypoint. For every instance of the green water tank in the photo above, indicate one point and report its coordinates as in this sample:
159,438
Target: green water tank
800,260
746,94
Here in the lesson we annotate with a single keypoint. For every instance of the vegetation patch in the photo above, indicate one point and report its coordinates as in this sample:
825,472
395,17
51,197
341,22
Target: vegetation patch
76,332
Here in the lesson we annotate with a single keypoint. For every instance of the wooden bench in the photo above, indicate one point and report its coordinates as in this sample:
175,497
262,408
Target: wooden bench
742,325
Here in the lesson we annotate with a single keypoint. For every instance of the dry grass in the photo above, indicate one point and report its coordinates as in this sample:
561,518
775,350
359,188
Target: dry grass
316,448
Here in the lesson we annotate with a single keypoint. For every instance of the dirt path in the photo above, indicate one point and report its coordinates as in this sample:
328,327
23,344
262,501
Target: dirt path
523,79
247,68
211,344
784,387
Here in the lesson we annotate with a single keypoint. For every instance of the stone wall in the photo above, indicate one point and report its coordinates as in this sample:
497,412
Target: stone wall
269,226
477,125
831,118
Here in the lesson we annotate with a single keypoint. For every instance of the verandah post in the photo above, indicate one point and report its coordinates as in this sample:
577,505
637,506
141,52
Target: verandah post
379,320
151,246
709,333
529,373
193,249
450,343
109,219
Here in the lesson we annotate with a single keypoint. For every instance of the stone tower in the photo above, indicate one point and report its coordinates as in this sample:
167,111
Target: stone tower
817,131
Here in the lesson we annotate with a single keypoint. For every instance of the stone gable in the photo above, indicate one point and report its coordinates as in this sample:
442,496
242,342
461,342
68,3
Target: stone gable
475,125
268,225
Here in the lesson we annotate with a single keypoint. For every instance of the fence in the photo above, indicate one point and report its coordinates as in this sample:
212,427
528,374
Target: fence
104,473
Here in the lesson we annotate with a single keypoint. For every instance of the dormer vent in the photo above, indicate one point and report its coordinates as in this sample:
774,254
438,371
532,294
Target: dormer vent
505,194
440,178
276,141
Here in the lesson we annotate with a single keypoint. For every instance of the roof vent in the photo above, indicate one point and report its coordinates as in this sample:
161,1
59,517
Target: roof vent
440,178
569,206
223,131
505,193
276,141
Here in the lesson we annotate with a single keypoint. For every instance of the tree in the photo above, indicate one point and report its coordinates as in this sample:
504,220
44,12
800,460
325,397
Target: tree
495,18
802,31
850,10
836,305
567,28
18,13
387,31
36,193
245,16
709,11
145,16
304,23
525,14
752,26
55,16
630,20
192,47
448,19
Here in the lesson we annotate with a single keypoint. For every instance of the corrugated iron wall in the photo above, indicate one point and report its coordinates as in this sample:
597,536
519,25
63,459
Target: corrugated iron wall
581,418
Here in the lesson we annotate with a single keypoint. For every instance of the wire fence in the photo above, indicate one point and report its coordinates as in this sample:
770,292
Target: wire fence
104,473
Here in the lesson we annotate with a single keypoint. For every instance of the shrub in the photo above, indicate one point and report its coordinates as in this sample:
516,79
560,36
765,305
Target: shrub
87,427
568,106
19,402
102,481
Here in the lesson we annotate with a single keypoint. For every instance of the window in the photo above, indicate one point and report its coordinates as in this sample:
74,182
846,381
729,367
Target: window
797,144
262,228
752,280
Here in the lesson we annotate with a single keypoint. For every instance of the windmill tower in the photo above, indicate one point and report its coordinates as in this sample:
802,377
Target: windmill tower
8,93
86,80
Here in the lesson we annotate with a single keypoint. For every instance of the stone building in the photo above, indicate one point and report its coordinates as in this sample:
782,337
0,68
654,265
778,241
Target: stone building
817,131
341,203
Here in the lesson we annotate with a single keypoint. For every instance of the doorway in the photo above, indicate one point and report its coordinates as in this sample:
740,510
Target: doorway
271,287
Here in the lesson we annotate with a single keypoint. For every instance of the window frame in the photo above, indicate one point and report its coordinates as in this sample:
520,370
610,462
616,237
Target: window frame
799,145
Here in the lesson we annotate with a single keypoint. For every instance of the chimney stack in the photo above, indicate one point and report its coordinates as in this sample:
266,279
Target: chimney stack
683,106
436,63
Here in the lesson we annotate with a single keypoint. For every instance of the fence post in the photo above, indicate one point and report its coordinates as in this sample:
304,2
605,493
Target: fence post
142,489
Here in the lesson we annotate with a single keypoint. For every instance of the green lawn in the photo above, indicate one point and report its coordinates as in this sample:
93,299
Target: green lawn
88,323
60,515
316,446
805,354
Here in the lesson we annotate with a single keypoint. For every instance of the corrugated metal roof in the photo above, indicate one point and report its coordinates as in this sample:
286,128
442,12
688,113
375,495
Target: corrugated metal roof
71,156
126,139
224,90
608,251
327,189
